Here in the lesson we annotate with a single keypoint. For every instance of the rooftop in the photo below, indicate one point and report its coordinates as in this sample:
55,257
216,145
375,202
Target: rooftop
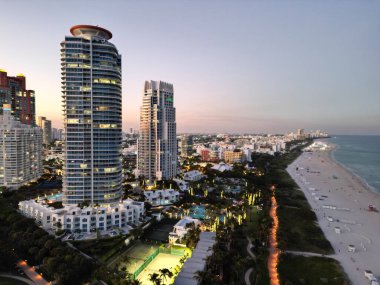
90,31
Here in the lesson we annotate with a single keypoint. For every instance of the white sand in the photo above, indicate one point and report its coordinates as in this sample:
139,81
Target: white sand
359,227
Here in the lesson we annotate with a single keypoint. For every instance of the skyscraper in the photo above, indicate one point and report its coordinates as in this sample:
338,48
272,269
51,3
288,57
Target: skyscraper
91,95
157,144
20,151
45,125
186,144
13,91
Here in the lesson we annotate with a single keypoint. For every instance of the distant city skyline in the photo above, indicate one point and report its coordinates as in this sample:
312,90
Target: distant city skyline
241,66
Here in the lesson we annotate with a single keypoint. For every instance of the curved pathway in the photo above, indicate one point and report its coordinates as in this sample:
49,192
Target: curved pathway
251,254
26,281
246,276
249,246
310,254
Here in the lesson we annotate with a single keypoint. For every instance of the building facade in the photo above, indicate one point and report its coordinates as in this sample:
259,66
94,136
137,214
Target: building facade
45,125
13,91
86,219
20,151
181,228
157,144
235,156
186,145
91,95
193,175
161,197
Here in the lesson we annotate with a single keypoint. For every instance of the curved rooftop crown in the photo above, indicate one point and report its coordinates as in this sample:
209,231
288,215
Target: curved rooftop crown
87,31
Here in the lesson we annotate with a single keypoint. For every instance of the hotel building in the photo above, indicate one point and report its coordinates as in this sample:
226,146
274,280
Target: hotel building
20,151
13,91
157,144
235,156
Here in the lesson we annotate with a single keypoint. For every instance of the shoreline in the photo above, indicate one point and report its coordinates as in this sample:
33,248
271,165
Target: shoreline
355,175
351,171
340,201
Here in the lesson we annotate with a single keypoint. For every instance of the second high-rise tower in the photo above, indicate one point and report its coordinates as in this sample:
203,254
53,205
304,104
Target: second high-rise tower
157,144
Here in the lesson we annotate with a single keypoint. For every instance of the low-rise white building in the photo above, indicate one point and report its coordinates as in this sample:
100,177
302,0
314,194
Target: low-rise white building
180,229
222,167
161,197
86,219
193,175
182,185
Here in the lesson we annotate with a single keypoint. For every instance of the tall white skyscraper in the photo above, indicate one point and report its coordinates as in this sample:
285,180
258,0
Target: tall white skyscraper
91,95
157,144
20,151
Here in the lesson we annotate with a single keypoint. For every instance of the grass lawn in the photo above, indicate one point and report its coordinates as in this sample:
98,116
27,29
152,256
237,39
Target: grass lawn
298,226
301,270
10,281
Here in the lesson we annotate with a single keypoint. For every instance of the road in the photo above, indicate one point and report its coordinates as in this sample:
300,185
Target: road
32,274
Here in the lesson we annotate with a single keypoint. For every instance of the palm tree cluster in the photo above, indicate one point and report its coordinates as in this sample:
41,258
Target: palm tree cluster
163,278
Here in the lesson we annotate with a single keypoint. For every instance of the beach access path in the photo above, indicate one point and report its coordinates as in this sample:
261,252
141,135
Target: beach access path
340,201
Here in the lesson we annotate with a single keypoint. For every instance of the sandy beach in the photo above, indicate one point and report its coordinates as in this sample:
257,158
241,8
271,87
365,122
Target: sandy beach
340,201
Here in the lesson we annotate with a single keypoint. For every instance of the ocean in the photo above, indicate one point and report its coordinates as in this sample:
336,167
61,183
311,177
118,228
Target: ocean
361,155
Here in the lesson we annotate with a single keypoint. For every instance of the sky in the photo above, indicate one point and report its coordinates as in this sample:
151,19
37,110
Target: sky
236,66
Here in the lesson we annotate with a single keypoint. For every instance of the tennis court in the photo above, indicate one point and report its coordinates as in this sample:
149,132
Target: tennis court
161,261
137,255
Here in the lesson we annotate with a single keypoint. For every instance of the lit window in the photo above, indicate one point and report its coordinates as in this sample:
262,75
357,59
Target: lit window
72,121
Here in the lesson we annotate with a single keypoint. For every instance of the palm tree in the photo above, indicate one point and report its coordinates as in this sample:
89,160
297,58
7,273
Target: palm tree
165,273
155,279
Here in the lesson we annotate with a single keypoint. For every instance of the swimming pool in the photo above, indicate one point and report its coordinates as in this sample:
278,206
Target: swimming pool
55,197
197,212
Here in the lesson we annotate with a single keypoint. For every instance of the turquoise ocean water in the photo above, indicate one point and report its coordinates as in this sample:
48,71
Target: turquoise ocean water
361,155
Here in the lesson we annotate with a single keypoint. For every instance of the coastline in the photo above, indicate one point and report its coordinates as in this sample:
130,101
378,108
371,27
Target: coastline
349,171
340,200
354,172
